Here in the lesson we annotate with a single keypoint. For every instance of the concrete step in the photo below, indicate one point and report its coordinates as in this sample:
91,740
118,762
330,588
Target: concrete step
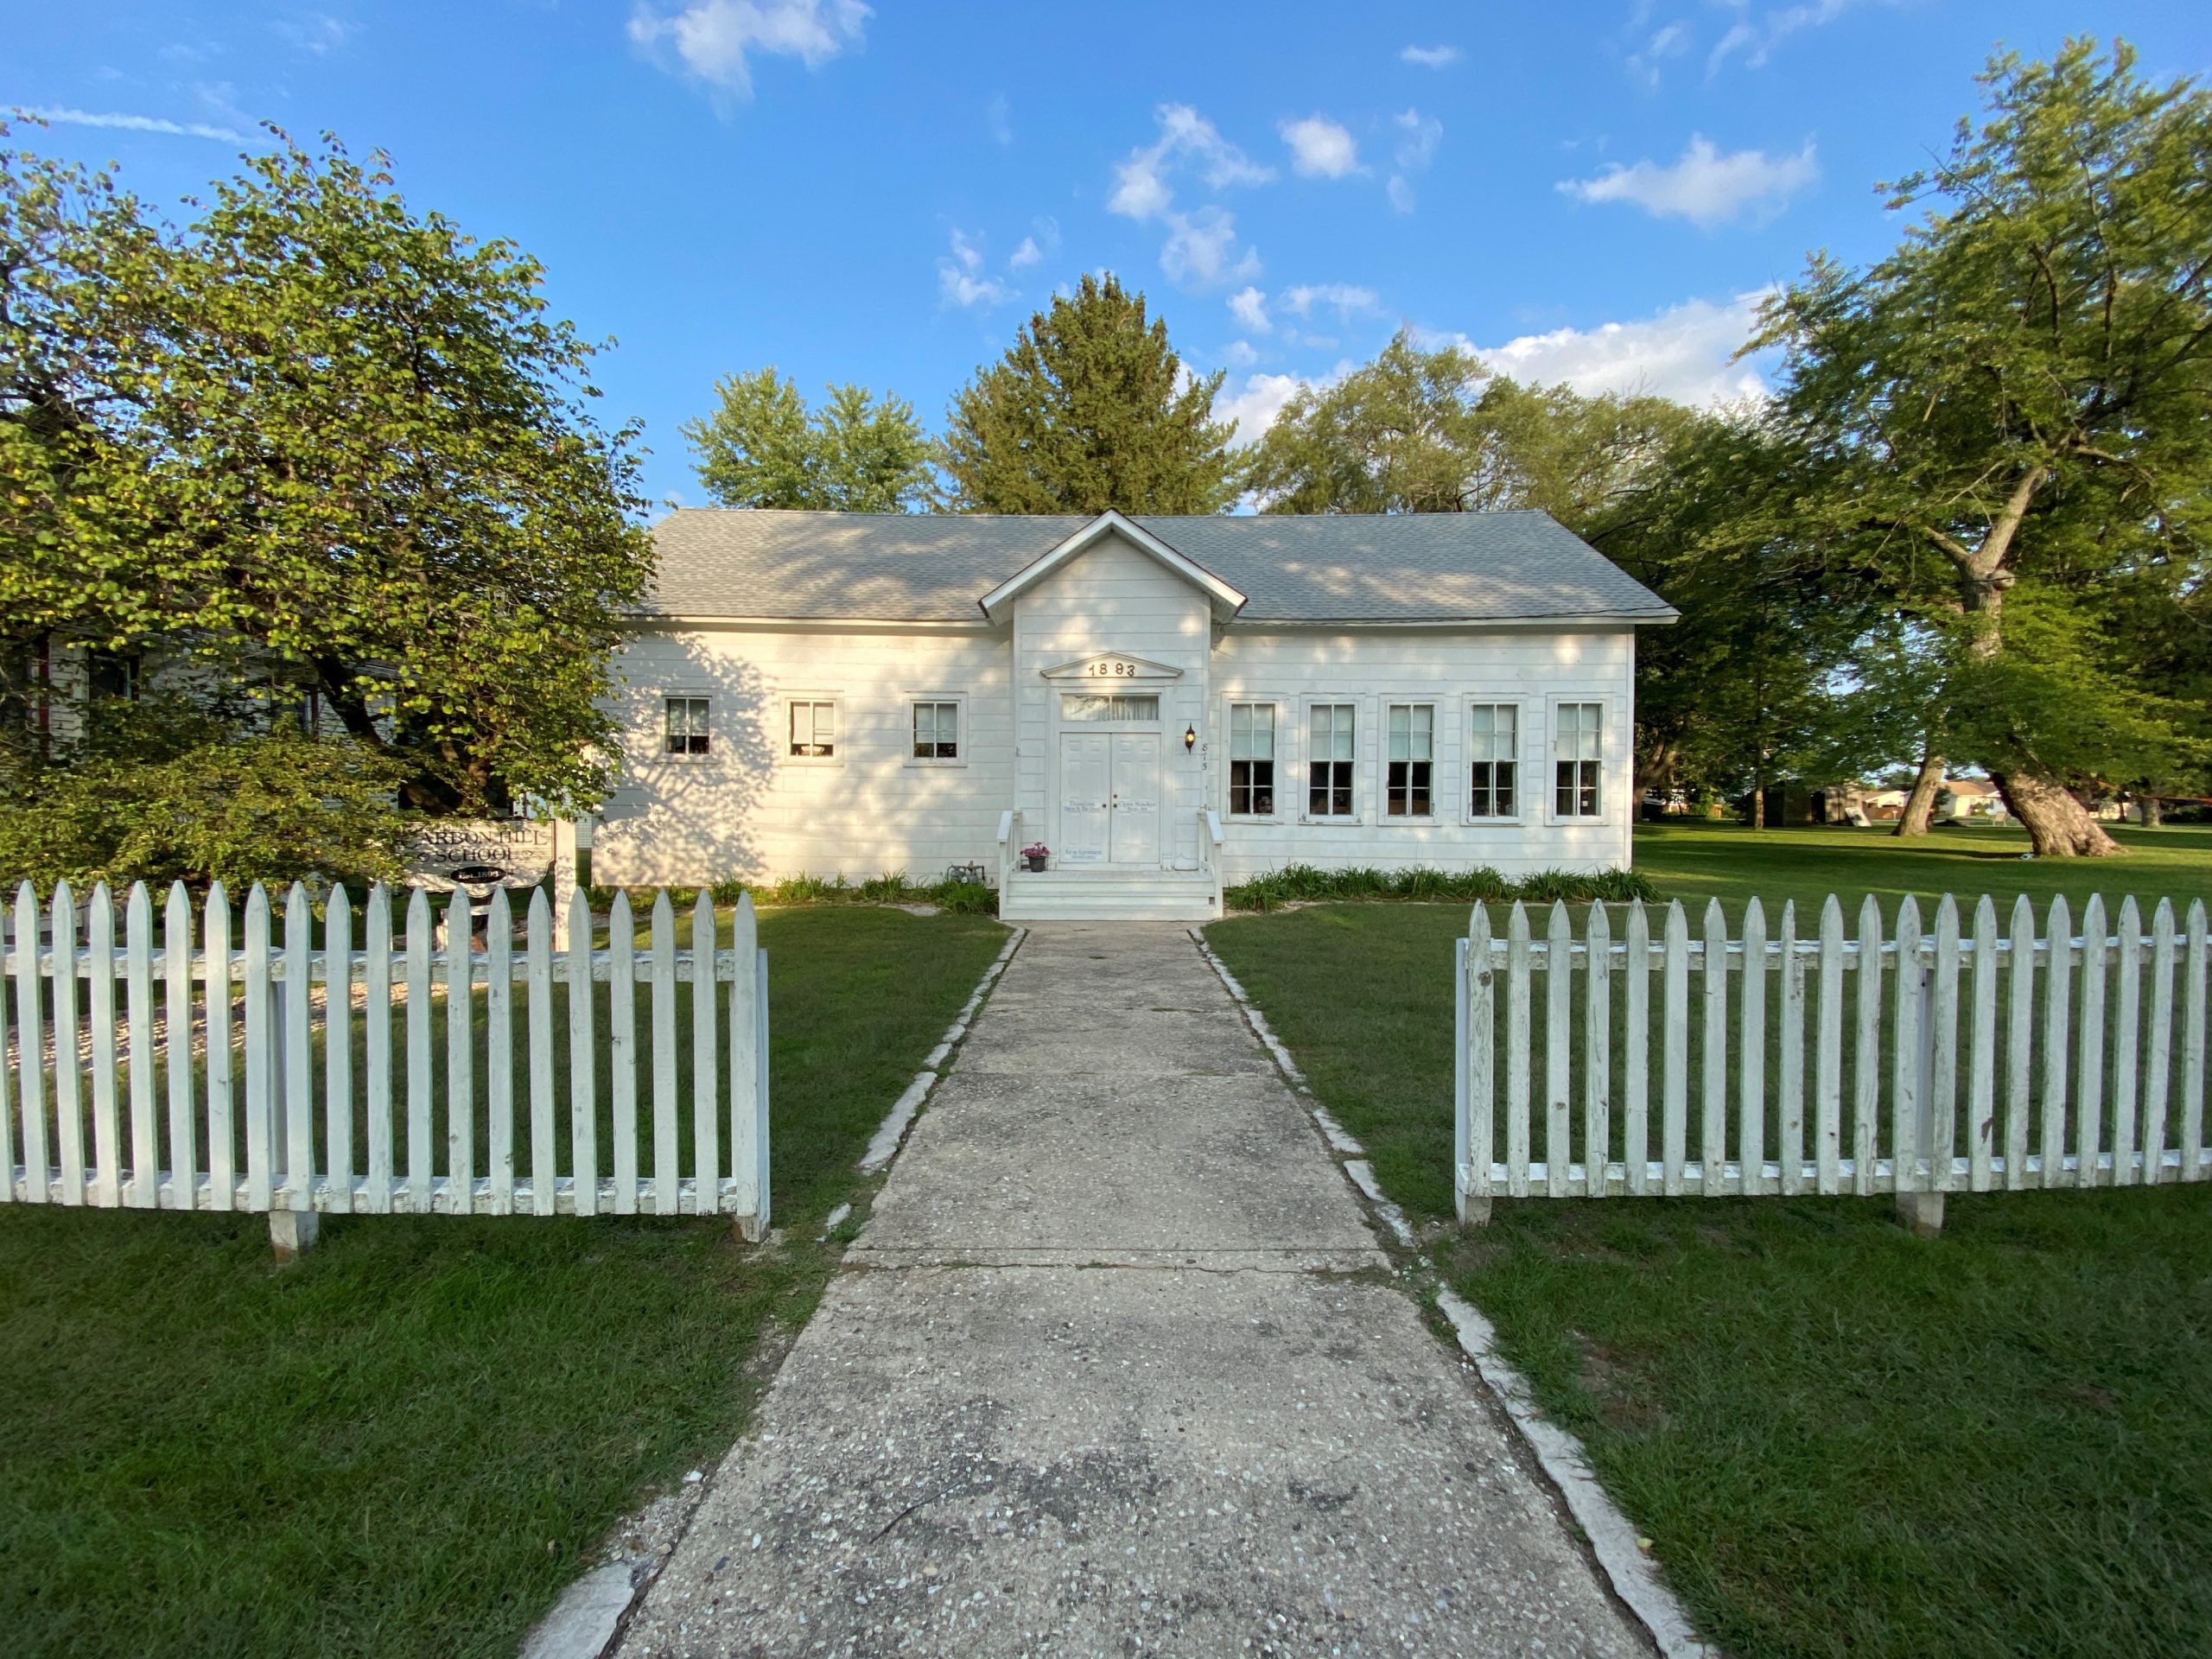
1081,895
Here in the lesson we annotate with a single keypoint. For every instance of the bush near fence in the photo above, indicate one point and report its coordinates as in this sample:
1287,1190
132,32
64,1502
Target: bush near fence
1936,1060
1307,884
958,898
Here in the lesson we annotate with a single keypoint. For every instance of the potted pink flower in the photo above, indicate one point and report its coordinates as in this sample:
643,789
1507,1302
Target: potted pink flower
1036,853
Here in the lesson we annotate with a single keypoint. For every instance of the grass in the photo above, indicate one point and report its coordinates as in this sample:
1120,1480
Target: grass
1840,1437
411,1440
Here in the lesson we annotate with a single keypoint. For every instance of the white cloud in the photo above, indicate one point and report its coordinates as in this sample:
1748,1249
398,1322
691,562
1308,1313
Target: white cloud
1431,57
1704,187
1670,41
1419,136
1319,147
1201,249
1254,405
315,32
961,280
998,117
1346,298
1755,38
68,118
1027,254
1044,239
1684,352
1240,354
1249,307
713,38
1141,187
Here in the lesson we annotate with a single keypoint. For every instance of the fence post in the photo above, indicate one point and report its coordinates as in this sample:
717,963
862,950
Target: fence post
1919,1206
1479,1103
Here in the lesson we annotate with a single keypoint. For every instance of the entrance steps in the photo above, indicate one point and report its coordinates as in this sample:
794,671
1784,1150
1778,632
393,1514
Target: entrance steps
1108,895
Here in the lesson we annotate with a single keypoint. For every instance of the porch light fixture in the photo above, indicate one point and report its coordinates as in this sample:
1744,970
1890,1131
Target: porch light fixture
1190,739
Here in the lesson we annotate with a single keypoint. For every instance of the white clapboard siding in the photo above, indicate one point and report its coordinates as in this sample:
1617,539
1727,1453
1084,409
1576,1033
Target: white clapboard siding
237,1086
1966,1075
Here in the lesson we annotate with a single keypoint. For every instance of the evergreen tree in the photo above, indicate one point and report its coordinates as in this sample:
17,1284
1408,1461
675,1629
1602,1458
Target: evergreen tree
1090,410
763,448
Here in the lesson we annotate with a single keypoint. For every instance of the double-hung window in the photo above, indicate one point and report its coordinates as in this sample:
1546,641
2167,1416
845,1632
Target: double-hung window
1409,786
1493,760
1329,755
1251,760
936,731
686,728
814,729
1578,738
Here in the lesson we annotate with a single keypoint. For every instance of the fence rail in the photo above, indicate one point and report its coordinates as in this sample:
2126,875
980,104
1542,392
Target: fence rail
1931,1061
425,1071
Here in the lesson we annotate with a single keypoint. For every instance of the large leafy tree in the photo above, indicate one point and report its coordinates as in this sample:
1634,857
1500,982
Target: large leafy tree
1090,410
315,440
2014,411
763,448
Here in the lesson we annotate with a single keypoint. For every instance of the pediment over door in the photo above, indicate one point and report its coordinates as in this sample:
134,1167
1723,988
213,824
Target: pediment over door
1107,667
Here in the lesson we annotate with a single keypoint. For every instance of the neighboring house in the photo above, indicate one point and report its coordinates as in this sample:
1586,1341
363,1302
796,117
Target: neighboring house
1970,800
1165,703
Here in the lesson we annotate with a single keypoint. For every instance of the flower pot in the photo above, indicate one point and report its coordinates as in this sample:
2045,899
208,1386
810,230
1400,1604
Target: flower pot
1036,861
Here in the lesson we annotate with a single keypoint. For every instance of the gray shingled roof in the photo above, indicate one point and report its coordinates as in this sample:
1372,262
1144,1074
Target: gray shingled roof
1327,567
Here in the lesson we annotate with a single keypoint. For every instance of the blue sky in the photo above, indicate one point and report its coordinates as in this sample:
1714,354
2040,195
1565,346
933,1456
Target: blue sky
1591,192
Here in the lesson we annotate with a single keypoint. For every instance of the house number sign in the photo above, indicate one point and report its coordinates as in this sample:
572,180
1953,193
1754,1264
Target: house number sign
1112,668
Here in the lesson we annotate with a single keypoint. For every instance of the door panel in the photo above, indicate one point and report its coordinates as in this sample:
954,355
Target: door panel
1086,797
1135,836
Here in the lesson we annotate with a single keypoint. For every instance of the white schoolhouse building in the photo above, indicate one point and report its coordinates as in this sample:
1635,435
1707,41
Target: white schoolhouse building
1163,705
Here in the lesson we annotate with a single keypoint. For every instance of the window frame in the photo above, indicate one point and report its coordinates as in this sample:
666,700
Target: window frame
1519,816
1384,817
1605,724
1306,707
1275,706
682,693
842,736
910,702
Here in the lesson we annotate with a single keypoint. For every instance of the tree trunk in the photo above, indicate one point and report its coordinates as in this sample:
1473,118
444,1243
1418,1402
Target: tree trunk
2058,826
2154,813
1920,805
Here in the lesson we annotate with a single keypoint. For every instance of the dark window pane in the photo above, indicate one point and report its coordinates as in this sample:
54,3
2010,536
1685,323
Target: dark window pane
1502,793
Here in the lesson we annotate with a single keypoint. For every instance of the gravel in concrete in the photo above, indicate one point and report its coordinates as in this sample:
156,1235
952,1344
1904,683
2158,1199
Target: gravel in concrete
1118,1366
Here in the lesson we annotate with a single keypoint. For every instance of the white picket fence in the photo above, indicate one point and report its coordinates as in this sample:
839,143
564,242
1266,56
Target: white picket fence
412,1075
1840,1082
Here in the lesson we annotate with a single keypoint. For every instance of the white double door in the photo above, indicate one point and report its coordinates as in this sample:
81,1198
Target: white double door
1109,799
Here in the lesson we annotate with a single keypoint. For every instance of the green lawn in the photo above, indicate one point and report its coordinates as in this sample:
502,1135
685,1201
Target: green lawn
408,1442
1842,1440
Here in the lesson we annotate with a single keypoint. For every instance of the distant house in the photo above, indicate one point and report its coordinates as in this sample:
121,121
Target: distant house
1162,703
1970,800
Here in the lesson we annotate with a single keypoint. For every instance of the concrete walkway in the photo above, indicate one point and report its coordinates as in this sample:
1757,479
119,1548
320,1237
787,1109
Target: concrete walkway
1117,1367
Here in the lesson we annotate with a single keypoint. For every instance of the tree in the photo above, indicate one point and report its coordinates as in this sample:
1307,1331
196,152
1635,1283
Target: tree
761,448
316,441
2013,408
1090,410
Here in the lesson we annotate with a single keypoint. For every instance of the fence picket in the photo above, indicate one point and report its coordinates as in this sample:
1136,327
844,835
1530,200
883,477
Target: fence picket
460,1053
2019,1045
298,1049
1907,1084
2058,997
376,1045
1559,992
418,1052
1940,1111
748,1105
1751,1087
1474,1131
1790,1070
2126,1032
1866,1070
1636,1055
2090,1083
145,1128
68,1101
260,1054
338,1049
222,1134
22,1056
1982,1068
584,1055
107,1129
1674,1033
537,967
30,1048
176,1056
622,1049
1713,1097
2192,1045
499,1053
706,1096
666,1176
1517,1052
1598,1054
1827,1056
2158,1047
